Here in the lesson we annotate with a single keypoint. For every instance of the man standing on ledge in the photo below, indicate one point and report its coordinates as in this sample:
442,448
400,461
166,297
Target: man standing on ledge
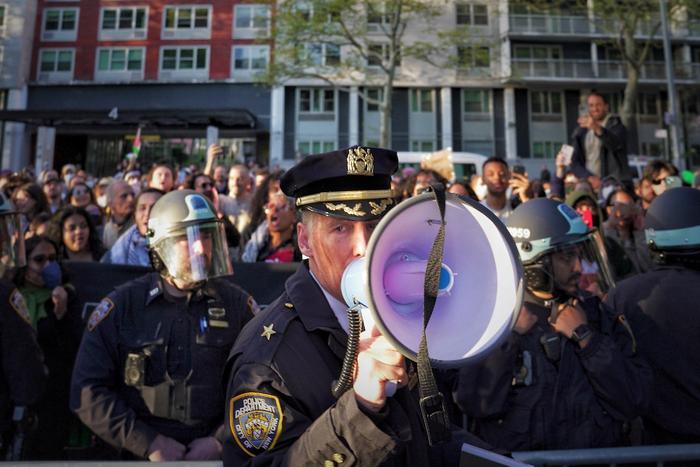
280,408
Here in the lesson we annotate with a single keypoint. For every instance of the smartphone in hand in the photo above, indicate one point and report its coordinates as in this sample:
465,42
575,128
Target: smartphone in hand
568,151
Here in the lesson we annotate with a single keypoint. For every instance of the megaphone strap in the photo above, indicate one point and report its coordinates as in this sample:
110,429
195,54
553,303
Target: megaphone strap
432,403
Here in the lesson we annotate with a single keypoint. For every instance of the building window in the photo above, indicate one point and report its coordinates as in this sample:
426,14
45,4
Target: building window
251,21
545,103
184,62
421,100
422,145
381,53
120,59
646,105
250,58
187,22
315,146
56,61
537,52
123,23
472,14
60,24
2,18
377,17
476,101
323,54
474,57
376,94
316,100
545,149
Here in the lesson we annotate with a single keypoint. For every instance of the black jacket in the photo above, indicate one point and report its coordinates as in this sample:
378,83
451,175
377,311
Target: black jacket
579,401
177,344
662,307
285,381
613,153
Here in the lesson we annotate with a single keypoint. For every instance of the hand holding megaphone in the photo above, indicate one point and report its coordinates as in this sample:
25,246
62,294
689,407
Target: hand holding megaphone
380,368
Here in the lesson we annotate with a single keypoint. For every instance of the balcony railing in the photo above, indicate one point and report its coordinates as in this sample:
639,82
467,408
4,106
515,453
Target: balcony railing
606,70
533,24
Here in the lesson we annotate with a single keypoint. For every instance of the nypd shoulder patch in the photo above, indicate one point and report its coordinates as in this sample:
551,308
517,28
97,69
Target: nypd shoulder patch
20,306
101,311
255,421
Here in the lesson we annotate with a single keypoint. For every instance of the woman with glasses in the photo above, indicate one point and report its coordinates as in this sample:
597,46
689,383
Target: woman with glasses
79,238
81,196
55,314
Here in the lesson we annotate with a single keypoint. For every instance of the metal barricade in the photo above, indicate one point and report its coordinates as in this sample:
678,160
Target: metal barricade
658,455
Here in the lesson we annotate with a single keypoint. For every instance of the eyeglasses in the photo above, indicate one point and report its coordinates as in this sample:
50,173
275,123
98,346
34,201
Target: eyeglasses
206,185
277,207
41,259
80,192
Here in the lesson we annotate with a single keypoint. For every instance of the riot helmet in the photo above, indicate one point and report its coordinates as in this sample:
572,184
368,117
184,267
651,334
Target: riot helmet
186,239
561,255
11,237
672,227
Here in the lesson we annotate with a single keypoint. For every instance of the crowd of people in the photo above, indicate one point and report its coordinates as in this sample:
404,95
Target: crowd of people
588,364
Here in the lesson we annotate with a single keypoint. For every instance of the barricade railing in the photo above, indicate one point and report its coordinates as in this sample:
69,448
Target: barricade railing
658,455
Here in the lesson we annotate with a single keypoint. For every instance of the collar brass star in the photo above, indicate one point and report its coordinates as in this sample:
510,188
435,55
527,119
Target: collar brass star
268,331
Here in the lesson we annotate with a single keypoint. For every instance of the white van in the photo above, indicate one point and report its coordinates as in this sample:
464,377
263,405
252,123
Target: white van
466,164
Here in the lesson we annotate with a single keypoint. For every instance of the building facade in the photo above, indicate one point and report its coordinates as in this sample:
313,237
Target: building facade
80,76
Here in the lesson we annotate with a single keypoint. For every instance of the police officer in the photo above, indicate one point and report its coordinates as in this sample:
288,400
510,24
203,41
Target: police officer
23,374
567,377
280,407
148,374
662,307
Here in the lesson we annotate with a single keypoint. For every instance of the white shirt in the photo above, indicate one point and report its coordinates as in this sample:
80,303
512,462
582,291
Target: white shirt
340,310
500,213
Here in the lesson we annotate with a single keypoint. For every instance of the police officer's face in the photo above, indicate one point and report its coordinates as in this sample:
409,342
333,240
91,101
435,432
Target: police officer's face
566,265
191,256
331,244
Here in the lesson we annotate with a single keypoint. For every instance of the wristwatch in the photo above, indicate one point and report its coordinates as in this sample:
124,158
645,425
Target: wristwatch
582,332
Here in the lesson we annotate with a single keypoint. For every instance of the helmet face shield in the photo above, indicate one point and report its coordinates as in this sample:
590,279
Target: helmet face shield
581,265
11,243
195,253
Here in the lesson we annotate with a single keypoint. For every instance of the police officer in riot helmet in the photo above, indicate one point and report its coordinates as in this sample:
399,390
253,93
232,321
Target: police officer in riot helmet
662,307
22,371
567,377
147,376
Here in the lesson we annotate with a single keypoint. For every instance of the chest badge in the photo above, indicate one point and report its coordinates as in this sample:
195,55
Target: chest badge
255,421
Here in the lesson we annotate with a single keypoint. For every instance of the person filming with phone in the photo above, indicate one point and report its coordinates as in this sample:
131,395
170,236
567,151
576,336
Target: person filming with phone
600,144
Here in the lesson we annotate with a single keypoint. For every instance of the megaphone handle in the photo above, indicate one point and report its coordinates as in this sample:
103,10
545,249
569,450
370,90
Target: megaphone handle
344,382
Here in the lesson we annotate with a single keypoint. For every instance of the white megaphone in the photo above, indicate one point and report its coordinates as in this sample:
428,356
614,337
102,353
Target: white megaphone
480,285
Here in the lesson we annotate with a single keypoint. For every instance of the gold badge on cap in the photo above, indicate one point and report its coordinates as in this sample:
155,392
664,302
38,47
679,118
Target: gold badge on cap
360,161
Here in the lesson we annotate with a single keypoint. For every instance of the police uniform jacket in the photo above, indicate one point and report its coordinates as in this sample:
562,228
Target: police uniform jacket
662,307
280,409
149,364
521,399
23,374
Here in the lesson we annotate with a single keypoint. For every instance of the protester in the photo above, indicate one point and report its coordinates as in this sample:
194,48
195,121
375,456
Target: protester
79,238
100,191
53,189
55,314
81,196
660,173
237,205
120,211
496,177
600,144
40,225
130,247
221,179
463,189
162,177
662,307
568,376
269,186
275,415
277,243
148,374
29,200
424,178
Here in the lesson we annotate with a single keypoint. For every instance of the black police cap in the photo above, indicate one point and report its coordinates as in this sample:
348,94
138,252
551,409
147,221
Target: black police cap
352,183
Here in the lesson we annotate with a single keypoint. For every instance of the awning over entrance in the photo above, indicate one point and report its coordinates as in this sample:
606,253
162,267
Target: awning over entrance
128,119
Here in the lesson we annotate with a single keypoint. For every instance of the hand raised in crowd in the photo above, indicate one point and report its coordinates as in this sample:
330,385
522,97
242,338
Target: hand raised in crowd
520,184
214,151
570,315
526,320
560,164
164,449
204,449
378,362
59,297
590,123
